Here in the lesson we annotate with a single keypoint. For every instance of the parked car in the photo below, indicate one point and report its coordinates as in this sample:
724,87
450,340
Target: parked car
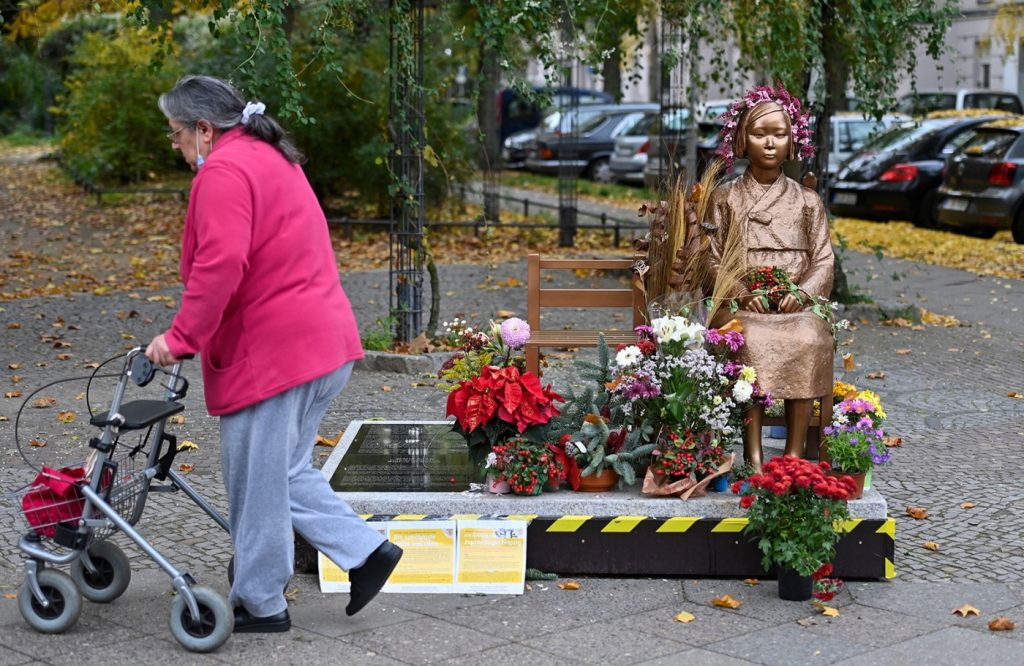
983,190
517,113
556,121
666,151
926,101
896,175
630,154
582,139
514,147
850,131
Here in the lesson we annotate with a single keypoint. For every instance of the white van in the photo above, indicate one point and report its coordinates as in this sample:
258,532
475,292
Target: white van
925,101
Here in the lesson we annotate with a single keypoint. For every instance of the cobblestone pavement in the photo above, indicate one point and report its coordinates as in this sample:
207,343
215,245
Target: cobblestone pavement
945,389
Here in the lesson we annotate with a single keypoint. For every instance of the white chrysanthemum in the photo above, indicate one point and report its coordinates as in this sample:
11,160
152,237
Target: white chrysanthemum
748,374
629,356
492,460
742,391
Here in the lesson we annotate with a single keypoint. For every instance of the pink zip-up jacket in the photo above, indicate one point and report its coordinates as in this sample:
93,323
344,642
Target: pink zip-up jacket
263,303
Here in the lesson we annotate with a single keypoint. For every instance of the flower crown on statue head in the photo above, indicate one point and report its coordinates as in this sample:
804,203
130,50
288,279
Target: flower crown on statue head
802,135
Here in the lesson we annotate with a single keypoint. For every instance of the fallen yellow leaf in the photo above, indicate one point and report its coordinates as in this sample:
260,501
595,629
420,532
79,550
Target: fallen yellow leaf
4,418
177,419
877,374
14,366
917,512
726,601
966,610
186,467
569,585
891,441
930,545
10,595
968,505
43,403
323,441
37,443
903,352
505,314
848,364
13,326
1001,623
751,581
1015,394
64,357
66,417
187,445
385,388
12,394
684,617
826,610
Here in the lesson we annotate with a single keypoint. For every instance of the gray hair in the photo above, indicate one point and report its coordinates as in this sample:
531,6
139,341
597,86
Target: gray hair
196,97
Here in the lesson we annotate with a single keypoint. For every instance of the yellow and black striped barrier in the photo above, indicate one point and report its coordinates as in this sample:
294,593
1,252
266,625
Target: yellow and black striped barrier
676,546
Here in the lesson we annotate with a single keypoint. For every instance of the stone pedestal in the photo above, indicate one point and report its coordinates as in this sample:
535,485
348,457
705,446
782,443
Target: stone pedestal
422,471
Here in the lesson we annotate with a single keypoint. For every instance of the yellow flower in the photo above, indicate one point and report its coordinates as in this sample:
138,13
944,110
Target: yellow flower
874,400
841,389
748,374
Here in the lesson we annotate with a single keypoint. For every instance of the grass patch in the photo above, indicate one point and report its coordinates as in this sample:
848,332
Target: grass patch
20,139
601,192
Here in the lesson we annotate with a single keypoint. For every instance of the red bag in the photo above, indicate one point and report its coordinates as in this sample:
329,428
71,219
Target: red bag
55,497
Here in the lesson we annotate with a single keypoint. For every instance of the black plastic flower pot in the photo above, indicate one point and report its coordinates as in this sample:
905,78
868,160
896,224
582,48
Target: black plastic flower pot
793,586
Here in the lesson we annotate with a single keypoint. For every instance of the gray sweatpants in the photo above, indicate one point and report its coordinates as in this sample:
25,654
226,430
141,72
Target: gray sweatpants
272,488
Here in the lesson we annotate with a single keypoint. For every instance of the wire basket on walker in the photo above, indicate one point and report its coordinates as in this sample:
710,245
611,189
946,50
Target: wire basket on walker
71,511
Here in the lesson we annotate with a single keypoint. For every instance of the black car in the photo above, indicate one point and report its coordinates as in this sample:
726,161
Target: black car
897,174
983,190
583,143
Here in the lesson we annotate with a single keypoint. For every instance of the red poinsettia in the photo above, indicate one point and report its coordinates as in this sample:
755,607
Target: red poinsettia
517,399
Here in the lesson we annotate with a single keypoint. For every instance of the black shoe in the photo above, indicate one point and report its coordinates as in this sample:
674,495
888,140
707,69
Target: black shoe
247,623
369,578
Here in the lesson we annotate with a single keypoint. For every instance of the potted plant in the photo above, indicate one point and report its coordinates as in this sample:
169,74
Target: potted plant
525,465
678,379
492,398
855,441
601,445
792,506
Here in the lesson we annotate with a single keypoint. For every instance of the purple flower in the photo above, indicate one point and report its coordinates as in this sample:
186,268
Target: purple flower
714,336
644,332
877,457
515,332
734,339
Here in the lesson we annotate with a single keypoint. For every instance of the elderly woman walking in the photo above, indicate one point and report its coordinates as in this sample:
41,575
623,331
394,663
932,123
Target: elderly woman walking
256,262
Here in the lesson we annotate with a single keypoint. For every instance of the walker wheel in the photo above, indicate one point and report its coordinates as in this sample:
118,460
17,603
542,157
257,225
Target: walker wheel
211,629
64,603
113,573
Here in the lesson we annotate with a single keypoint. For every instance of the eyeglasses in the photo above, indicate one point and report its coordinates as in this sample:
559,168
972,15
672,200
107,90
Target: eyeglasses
173,136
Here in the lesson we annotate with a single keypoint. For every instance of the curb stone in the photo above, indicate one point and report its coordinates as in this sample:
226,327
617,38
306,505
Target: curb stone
411,364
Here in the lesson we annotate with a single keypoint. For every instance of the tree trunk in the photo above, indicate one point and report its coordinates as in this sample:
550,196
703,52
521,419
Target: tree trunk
489,157
612,73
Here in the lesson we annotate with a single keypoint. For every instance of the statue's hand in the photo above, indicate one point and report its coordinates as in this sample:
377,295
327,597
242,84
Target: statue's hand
756,304
790,303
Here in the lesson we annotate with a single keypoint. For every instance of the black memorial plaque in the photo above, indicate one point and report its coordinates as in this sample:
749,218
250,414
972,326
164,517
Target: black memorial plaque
405,457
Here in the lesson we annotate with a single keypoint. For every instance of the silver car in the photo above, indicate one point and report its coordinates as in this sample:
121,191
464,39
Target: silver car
630,154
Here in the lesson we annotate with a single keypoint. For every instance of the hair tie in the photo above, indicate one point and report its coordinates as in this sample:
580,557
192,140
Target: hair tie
252,109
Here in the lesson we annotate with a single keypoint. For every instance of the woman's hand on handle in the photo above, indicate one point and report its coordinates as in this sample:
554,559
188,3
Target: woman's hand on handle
159,353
